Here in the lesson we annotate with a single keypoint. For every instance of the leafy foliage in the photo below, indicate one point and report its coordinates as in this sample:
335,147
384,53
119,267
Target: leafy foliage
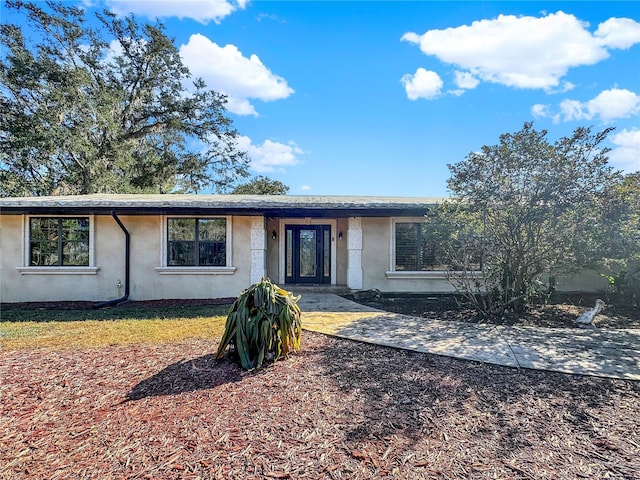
263,323
261,185
535,207
105,110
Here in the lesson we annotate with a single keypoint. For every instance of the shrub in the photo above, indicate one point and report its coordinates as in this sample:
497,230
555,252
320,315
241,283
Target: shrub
263,323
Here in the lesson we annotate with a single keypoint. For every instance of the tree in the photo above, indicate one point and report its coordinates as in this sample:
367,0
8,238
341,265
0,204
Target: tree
261,185
622,259
539,207
108,110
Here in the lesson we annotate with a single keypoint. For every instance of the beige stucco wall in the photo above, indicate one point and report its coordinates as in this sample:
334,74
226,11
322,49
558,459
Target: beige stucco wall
150,282
146,282
376,262
273,250
18,287
585,281
342,225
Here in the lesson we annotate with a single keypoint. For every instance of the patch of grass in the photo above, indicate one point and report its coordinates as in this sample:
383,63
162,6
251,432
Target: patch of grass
63,329
118,313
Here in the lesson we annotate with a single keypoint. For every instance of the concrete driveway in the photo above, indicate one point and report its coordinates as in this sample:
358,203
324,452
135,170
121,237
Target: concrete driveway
589,351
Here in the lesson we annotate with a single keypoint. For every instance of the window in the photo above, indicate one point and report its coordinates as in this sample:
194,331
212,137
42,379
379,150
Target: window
58,241
417,249
197,242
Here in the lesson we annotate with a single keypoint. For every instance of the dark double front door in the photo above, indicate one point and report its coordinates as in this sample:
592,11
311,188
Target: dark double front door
308,254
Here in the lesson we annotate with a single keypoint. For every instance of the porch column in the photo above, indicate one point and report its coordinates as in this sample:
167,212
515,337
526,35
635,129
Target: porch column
354,253
258,249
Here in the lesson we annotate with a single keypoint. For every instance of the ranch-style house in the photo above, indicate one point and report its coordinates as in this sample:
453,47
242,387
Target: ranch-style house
103,248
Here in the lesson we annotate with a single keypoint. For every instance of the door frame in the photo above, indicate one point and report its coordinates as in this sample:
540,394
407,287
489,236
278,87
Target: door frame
322,242
305,221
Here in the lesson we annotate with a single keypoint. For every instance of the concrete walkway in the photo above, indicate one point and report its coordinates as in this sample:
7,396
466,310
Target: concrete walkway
588,351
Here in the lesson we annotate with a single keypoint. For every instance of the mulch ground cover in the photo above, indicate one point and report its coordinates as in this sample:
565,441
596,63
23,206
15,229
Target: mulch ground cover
337,410
559,312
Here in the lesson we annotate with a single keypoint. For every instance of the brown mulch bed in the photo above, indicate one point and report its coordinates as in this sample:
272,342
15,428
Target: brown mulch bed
337,410
197,302
560,312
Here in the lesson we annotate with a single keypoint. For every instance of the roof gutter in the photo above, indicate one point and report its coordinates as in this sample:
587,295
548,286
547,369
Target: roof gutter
127,270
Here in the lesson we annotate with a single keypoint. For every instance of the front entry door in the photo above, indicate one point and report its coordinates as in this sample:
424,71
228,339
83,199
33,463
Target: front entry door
308,254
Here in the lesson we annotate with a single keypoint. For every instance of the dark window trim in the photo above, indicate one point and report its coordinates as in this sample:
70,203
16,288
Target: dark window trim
60,241
196,242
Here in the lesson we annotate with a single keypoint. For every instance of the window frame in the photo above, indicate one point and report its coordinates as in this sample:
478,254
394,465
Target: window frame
392,273
27,269
166,269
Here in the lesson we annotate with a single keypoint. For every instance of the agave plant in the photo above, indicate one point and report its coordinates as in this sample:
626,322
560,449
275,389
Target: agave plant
263,323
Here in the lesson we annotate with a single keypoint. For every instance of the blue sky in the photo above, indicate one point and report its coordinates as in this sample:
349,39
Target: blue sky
376,98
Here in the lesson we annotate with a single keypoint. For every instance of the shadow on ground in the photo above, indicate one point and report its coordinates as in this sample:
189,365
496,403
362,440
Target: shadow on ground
186,376
422,397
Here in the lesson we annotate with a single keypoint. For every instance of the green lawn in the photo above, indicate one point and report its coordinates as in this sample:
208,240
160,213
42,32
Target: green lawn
61,329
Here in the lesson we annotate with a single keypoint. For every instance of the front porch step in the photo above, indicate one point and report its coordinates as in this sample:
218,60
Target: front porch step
298,289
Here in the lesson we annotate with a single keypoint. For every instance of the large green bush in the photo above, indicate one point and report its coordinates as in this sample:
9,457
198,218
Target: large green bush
263,323
534,208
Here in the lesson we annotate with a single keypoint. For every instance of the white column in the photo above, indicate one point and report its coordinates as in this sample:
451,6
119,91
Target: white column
258,249
354,253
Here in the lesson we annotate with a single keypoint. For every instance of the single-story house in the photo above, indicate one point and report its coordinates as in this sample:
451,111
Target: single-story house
143,247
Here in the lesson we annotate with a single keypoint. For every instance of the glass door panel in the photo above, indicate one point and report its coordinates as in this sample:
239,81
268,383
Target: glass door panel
308,254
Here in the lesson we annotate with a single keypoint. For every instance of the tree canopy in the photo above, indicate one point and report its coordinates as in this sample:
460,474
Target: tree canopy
261,185
535,207
110,109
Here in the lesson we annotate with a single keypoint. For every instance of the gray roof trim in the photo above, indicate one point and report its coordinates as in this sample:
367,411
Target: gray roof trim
270,205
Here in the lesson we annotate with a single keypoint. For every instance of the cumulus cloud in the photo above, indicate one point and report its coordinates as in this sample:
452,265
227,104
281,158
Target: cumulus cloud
203,12
619,33
607,106
423,84
466,80
270,156
626,153
305,188
540,111
227,70
526,52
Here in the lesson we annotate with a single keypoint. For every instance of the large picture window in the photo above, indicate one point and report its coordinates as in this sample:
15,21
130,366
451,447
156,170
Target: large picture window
58,241
417,249
197,242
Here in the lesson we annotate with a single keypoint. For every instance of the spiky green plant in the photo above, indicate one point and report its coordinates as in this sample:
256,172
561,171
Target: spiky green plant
263,322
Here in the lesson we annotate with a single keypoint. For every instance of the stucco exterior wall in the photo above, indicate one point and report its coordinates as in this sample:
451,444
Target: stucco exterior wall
10,238
342,225
151,279
376,262
22,286
586,281
147,280
273,250
149,283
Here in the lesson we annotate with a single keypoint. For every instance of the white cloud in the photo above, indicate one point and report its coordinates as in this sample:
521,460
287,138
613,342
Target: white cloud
201,11
540,111
618,33
305,188
424,84
466,80
607,106
270,155
626,154
227,70
526,52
